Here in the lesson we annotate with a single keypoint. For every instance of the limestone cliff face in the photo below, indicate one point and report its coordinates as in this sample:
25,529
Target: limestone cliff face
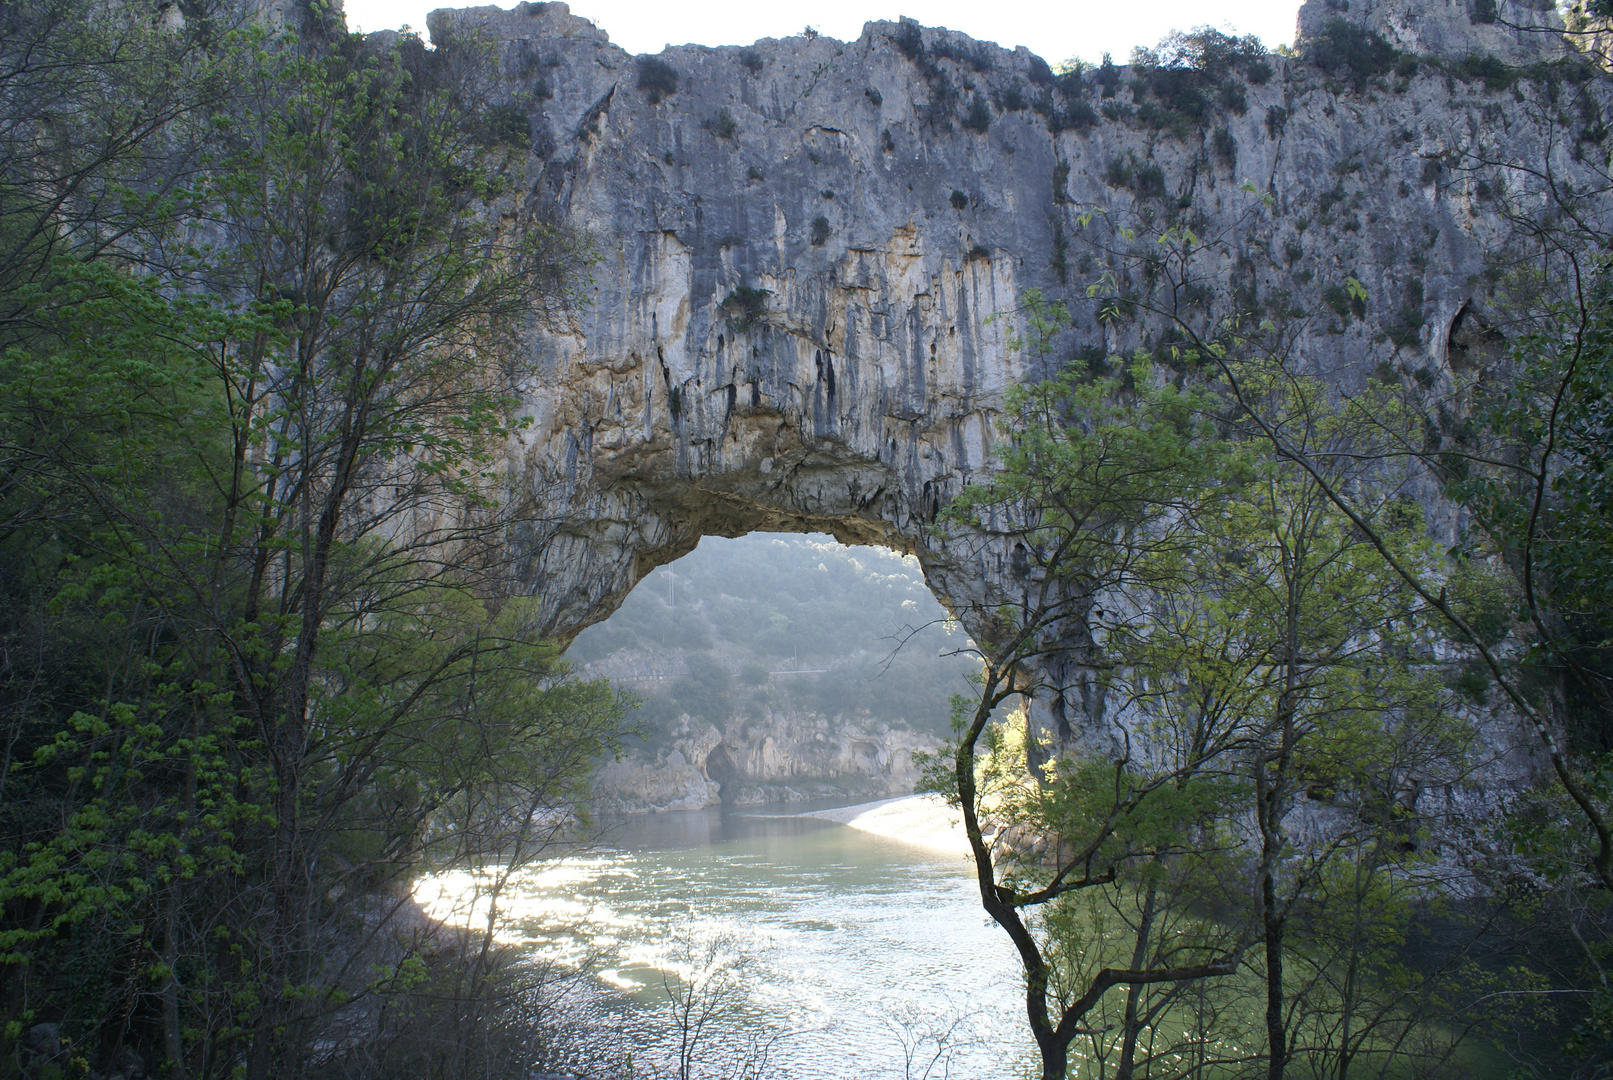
811,251
782,757
1514,31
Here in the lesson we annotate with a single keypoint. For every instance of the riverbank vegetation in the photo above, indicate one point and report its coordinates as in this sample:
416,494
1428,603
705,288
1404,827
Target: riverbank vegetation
1297,790
259,662
1294,790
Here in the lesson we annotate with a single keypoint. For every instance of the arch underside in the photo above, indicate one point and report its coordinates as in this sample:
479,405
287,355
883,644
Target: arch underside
805,319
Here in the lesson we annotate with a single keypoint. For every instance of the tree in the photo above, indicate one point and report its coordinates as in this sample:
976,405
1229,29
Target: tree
1340,641
1241,652
704,995
91,99
1496,435
254,515
1099,484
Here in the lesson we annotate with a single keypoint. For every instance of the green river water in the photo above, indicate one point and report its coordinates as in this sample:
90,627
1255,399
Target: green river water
862,957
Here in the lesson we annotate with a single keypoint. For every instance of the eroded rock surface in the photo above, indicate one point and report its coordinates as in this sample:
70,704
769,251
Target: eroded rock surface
811,251
787,756
1514,31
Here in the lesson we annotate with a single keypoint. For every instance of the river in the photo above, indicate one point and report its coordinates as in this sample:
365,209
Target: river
844,954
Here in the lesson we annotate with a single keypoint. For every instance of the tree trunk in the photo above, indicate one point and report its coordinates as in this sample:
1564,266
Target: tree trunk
1055,1057
1128,1046
1271,805
1276,1035
173,1042
292,884
1348,1009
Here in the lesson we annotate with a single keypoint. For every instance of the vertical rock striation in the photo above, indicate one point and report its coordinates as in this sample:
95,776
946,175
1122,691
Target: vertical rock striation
811,252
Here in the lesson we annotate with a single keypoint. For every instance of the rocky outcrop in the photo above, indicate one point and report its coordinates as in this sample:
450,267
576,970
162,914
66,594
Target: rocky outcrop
1513,31
665,783
811,252
781,758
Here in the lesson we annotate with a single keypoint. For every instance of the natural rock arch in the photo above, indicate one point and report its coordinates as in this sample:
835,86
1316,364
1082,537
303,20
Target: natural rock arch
800,320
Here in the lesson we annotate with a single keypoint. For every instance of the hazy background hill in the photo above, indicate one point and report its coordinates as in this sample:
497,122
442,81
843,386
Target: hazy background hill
749,643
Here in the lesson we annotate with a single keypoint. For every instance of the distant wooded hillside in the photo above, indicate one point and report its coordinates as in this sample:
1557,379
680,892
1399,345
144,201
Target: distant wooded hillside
714,635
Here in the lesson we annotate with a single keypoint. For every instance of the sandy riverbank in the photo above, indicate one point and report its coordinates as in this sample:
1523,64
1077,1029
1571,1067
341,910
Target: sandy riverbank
923,820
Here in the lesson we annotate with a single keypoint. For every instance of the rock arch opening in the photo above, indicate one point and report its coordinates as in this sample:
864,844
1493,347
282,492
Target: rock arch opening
776,668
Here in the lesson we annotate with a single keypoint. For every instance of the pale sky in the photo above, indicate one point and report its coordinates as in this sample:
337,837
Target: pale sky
1057,31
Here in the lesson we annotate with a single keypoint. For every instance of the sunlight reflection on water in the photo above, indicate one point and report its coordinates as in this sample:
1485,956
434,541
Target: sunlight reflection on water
854,942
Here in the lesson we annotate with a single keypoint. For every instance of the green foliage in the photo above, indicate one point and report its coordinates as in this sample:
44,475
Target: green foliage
1346,51
89,89
1408,323
959,200
1061,182
657,78
1118,172
909,39
745,307
1108,77
1190,75
820,230
506,124
1548,518
1149,180
1208,51
1493,72
1071,79
1043,322
1484,599
979,118
1061,248
704,690
1347,299
1145,177
1244,649
1074,114
1497,433
254,689
1226,147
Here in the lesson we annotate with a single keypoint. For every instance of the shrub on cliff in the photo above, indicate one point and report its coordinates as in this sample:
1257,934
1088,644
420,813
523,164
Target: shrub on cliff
1188,76
745,307
1346,51
657,78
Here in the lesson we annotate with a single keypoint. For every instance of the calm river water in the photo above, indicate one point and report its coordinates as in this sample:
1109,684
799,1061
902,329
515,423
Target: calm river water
865,957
